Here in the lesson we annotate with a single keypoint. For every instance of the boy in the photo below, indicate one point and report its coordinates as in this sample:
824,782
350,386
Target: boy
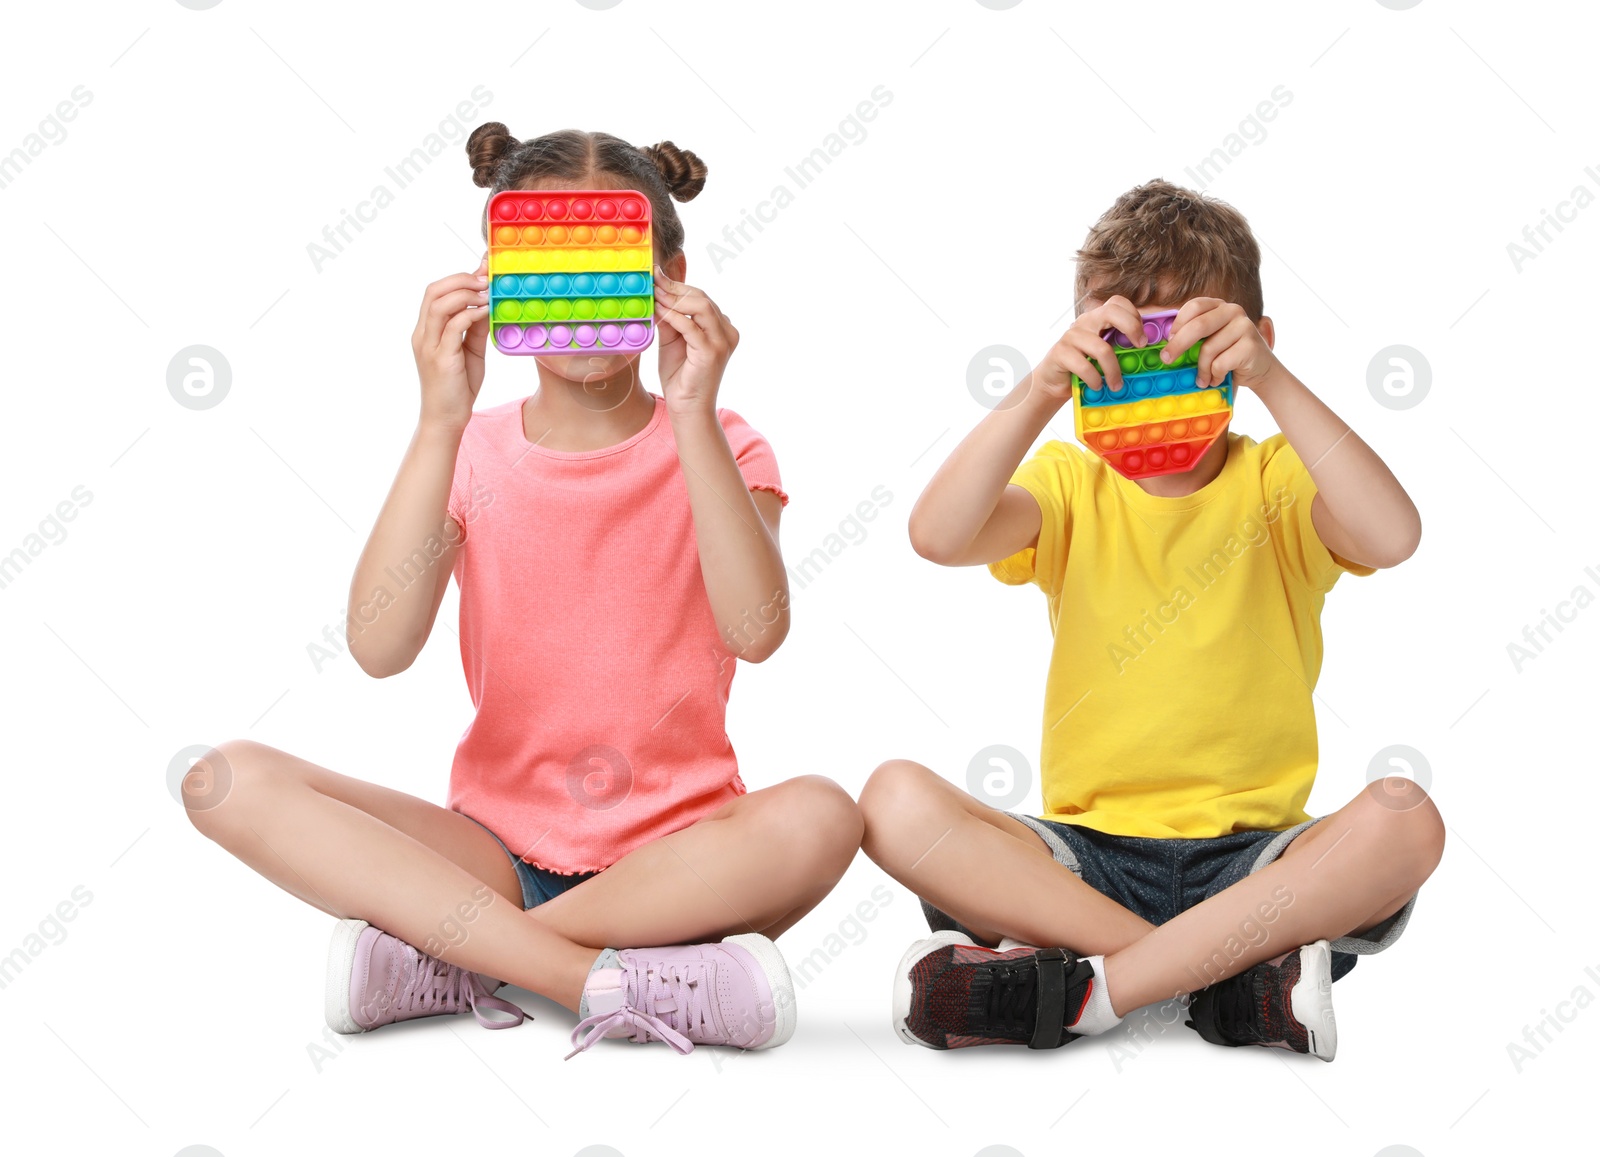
1175,855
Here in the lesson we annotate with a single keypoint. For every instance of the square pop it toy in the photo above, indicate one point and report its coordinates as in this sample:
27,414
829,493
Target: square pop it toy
570,271
1158,423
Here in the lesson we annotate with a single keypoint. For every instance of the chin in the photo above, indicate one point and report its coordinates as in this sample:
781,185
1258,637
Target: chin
581,368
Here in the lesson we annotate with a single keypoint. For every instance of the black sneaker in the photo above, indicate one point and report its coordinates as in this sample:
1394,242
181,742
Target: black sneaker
950,993
1285,1003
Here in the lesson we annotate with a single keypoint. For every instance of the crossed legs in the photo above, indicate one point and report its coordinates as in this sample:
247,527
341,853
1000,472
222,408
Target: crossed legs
357,850
1346,874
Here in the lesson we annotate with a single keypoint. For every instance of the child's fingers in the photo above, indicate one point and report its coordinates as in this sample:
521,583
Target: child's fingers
682,303
1221,353
455,281
682,324
446,307
704,326
1085,371
712,321
691,305
457,328
462,323
662,278
1217,364
665,287
1106,355
707,333
1208,316
477,335
1224,351
686,299
1209,353
1194,307
1089,345
1119,311
1074,361
1215,346
445,286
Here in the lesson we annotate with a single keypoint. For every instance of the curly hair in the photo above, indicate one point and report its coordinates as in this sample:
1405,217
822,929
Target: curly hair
1162,242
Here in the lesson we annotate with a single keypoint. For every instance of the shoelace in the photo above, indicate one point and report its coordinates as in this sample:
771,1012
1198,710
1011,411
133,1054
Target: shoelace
1243,1013
439,987
1012,995
673,1005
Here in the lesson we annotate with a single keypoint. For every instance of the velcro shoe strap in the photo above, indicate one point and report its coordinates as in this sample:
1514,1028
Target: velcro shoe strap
1049,1026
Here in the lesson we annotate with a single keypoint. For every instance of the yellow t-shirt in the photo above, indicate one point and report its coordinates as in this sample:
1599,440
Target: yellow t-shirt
1187,642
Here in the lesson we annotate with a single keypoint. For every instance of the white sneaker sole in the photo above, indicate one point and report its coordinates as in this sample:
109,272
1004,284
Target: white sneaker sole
776,969
1312,1000
341,963
901,1011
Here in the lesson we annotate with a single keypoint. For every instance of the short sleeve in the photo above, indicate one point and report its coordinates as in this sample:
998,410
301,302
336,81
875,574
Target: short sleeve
1047,476
459,505
1288,488
468,494
753,453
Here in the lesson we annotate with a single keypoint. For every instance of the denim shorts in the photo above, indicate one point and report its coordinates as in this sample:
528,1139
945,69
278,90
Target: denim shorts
1156,877
538,884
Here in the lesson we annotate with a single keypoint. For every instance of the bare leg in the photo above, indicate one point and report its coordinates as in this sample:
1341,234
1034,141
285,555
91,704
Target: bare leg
413,869
1348,873
757,864
358,850
993,874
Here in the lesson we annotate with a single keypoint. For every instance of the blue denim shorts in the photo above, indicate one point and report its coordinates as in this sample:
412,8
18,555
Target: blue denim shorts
1156,878
538,884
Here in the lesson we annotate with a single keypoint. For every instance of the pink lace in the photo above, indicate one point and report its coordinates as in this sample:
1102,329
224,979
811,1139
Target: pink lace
674,1005
439,987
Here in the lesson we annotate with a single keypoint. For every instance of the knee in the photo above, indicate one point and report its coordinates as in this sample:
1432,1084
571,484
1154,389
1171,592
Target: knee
819,823
1403,824
219,787
897,794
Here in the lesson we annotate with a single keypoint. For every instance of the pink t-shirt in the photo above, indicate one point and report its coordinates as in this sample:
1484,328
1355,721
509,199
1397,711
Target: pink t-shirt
593,659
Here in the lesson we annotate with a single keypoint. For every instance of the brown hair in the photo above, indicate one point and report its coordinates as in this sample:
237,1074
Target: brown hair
1162,242
661,172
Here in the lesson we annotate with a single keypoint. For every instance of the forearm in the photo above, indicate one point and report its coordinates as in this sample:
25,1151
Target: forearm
963,494
408,554
1370,516
739,555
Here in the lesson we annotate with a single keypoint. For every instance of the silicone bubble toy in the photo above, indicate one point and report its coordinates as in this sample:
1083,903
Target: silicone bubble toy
1158,423
569,272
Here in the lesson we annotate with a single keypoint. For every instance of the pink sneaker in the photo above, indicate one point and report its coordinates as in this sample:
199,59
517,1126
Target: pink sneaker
734,993
375,979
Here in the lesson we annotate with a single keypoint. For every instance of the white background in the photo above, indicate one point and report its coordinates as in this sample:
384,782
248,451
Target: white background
218,544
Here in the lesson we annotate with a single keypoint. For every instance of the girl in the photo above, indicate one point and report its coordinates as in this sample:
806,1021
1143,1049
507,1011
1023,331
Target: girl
616,551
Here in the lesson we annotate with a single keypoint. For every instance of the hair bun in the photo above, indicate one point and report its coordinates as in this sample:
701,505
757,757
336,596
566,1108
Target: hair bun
485,148
684,173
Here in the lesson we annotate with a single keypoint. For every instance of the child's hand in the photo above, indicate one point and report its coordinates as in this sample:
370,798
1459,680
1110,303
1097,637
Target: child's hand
696,341
1082,341
452,332
1233,343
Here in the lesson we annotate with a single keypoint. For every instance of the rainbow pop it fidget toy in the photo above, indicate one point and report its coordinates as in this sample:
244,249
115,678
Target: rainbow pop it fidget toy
569,272
1158,423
